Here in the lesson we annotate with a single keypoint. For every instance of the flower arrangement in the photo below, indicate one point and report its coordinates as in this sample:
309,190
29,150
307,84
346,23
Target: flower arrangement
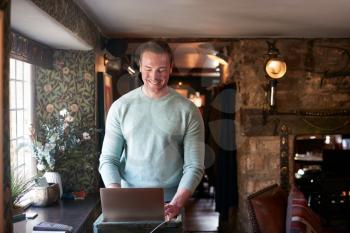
57,138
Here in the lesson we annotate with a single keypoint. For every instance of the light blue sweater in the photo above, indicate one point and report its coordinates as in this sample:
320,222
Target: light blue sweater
153,143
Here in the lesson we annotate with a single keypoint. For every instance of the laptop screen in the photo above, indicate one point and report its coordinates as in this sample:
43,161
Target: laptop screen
132,204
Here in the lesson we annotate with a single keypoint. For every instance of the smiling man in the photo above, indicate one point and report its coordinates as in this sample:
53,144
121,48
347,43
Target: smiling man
154,136
155,69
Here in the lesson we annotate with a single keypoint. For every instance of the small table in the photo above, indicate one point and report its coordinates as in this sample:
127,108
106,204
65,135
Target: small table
80,214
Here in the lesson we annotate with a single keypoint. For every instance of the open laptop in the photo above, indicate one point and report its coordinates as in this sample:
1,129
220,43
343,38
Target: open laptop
132,204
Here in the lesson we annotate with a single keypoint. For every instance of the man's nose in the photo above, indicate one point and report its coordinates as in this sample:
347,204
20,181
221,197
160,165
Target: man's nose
154,74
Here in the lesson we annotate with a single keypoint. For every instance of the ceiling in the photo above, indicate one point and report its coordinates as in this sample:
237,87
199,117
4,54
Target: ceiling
31,21
191,19
220,18
207,24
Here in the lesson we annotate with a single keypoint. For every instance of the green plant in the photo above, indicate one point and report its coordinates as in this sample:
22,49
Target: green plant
19,187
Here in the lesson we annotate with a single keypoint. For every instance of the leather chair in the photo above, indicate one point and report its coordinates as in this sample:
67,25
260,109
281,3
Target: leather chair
272,210
267,210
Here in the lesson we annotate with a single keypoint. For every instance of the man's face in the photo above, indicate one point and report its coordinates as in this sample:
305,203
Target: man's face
155,69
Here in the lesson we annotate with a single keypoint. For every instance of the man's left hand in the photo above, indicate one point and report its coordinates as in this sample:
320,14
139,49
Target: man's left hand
171,211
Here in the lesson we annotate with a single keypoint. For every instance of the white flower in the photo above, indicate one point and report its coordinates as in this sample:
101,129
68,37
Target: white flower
38,145
62,148
40,167
64,112
86,136
52,140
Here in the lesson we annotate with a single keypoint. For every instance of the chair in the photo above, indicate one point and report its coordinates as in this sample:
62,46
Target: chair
267,210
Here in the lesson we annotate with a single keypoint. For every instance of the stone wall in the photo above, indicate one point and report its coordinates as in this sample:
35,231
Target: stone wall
317,79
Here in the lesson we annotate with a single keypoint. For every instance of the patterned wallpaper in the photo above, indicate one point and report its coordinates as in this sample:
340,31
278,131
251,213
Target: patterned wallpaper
7,214
72,17
71,85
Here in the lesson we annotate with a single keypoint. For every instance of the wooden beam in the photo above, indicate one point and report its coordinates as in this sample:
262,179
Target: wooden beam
174,40
256,122
1,120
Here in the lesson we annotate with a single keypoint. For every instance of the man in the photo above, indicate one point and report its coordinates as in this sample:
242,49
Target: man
154,137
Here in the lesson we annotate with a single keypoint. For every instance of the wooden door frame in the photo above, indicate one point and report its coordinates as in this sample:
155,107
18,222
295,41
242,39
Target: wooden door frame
1,117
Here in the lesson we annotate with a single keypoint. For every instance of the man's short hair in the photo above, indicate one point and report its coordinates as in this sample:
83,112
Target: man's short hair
155,46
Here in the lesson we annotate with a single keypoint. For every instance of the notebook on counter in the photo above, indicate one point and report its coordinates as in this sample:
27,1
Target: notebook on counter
47,227
132,204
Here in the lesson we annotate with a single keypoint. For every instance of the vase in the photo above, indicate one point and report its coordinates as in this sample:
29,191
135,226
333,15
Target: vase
44,196
54,177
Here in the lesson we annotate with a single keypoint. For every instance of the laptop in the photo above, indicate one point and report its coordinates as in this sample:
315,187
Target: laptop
132,204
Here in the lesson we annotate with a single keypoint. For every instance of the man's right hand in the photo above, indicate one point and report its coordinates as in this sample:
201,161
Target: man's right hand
113,186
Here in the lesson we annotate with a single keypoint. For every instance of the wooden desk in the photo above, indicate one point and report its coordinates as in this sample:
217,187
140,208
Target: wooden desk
79,213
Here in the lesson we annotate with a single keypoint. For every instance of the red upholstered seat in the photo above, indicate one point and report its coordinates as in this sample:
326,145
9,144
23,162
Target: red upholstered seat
271,210
300,218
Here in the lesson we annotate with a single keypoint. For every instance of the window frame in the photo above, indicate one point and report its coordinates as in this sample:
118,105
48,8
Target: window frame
31,168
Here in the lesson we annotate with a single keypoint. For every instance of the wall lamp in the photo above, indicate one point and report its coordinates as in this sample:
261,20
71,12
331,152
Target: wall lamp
220,58
111,62
116,63
275,69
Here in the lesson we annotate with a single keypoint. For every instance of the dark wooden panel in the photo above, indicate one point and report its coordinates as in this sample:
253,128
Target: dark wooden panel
256,122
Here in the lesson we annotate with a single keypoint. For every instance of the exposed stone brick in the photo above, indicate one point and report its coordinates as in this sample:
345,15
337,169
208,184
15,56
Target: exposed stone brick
305,86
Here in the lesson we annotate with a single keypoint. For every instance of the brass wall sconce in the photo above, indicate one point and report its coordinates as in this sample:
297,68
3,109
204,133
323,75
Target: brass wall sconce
275,69
116,63
111,62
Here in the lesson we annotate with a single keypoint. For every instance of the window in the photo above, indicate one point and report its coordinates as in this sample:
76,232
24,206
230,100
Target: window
22,162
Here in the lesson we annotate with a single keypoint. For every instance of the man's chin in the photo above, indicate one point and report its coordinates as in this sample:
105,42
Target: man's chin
155,88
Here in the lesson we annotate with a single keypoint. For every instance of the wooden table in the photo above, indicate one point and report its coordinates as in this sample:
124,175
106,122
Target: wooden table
77,213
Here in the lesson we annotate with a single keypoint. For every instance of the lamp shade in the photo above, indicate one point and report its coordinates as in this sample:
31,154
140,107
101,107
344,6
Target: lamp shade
275,68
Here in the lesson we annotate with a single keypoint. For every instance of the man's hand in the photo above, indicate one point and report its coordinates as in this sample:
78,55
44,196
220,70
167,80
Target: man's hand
171,211
113,186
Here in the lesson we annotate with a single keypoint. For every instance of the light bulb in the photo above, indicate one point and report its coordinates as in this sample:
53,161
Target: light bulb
276,68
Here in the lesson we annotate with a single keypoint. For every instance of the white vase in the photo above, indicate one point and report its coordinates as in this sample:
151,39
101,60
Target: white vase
54,177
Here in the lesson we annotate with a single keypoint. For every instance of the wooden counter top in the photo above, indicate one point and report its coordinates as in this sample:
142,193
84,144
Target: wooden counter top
77,213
